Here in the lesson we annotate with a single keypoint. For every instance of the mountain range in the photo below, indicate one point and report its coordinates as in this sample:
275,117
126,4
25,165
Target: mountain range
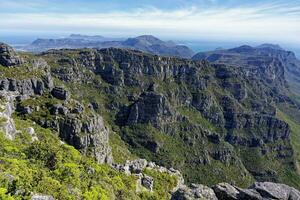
120,123
258,58
146,43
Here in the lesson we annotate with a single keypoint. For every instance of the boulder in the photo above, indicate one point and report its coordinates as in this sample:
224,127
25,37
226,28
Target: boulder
137,166
147,182
194,192
225,191
269,190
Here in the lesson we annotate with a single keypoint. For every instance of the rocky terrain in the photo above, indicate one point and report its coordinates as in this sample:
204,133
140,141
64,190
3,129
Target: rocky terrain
79,119
146,43
259,57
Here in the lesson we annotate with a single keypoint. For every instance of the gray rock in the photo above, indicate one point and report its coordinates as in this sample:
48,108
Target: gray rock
151,107
90,136
8,57
7,124
194,192
269,190
258,191
225,191
41,197
27,86
249,194
137,166
147,182
58,109
60,93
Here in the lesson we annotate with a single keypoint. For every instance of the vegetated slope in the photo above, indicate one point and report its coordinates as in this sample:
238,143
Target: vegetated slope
146,43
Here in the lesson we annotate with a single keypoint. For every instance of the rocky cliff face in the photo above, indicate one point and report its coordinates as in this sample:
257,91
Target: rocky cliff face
196,116
85,132
271,62
90,136
8,56
213,122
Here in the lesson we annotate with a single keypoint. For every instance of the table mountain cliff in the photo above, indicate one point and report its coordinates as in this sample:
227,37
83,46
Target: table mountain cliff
213,122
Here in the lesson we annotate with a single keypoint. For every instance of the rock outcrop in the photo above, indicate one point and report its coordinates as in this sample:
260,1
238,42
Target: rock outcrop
152,108
195,191
7,124
90,136
210,111
225,191
60,93
27,86
258,191
8,56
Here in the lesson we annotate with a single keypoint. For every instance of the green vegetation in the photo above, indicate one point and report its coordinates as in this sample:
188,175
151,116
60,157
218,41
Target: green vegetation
196,118
21,72
295,132
120,150
50,167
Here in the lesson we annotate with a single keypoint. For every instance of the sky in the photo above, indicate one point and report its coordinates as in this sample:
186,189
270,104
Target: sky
275,21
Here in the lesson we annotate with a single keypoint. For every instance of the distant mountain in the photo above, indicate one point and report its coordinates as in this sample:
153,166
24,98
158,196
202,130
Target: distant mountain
259,58
146,43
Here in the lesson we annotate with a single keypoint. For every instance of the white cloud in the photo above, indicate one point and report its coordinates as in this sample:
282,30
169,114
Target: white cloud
267,22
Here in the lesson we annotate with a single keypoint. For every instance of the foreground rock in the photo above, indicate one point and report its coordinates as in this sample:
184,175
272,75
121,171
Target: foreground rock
195,191
225,191
258,191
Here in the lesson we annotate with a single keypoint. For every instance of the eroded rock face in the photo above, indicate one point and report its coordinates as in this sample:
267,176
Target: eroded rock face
8,57
90,136
60,93
7,124
226,191
150,107
27,86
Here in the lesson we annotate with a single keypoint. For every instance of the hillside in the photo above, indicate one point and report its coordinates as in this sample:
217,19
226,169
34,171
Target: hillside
75,122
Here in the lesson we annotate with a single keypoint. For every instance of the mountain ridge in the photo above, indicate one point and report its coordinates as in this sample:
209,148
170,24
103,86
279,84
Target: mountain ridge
146,43
213,122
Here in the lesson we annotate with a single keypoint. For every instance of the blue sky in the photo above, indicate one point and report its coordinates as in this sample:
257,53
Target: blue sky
257,20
